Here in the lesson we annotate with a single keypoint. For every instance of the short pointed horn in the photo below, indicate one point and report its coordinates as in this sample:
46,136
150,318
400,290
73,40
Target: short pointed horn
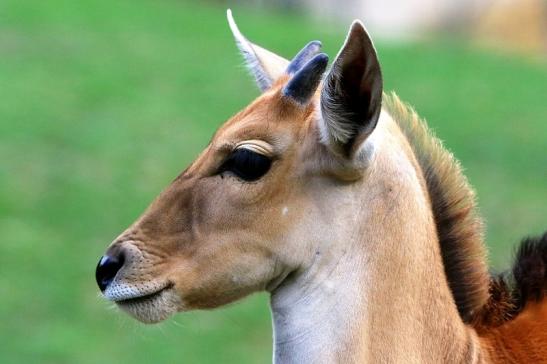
304,83
305,54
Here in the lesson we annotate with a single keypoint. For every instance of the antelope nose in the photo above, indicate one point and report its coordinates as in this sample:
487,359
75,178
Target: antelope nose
106,270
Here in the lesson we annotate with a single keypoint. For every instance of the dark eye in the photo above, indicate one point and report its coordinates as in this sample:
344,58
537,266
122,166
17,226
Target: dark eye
246,164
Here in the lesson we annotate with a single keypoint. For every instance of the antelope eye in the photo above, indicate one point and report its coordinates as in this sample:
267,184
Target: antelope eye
246,164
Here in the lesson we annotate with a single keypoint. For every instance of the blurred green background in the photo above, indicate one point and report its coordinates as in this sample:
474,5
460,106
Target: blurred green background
104,102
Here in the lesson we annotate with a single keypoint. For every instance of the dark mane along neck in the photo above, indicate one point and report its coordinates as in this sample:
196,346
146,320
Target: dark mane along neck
459,227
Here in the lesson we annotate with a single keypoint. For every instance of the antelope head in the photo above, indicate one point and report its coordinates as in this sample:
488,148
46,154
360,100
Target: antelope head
265,197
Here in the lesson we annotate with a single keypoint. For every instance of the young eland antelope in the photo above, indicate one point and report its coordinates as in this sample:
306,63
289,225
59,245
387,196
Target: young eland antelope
337,200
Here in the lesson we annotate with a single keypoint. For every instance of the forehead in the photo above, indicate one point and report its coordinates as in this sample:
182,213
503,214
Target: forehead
270,118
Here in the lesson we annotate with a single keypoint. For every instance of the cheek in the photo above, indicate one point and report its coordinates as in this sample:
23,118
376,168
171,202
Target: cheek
227,204
222,274
262,215
241,240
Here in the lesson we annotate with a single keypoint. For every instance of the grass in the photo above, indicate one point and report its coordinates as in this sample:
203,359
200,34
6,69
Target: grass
103,103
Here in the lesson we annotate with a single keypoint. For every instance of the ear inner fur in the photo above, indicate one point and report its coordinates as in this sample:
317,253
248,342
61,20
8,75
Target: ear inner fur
352,93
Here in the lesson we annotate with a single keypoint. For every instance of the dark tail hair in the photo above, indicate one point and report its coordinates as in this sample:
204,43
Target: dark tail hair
530,270
510,292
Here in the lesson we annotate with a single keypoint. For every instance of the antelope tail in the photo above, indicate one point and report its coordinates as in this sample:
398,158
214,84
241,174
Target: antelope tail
512,326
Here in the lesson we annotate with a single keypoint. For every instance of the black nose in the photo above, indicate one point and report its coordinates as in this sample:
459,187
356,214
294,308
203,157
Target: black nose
106,270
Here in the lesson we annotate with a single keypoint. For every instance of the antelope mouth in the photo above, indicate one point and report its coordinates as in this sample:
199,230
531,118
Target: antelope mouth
151,307
144,298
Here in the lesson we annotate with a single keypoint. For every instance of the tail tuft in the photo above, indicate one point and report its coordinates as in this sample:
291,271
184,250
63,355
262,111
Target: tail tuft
510,292
530,270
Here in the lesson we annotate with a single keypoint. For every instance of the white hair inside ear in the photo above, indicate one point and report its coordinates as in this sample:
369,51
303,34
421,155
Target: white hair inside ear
351,97
265,66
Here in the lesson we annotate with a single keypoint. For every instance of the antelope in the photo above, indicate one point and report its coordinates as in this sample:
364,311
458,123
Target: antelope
338,200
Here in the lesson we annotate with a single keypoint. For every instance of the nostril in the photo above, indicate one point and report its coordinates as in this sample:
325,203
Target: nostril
106,270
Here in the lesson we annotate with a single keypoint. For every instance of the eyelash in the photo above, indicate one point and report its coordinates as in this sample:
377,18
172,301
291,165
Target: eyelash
246,165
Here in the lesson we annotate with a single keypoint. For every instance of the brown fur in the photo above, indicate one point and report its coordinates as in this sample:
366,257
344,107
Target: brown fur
522,340
513,324
511,293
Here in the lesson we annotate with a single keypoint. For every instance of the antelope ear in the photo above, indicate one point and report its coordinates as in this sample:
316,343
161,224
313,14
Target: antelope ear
265,66
351,98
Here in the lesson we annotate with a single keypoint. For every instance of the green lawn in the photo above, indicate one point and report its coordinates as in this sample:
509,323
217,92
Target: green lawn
103,103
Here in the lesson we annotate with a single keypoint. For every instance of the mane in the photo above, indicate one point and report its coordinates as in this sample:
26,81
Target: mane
459,226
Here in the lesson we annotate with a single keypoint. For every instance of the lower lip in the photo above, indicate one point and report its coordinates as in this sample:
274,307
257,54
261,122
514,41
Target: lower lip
141,299
145,298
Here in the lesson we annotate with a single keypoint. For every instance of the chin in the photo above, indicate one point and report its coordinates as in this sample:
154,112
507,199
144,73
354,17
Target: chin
153,308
